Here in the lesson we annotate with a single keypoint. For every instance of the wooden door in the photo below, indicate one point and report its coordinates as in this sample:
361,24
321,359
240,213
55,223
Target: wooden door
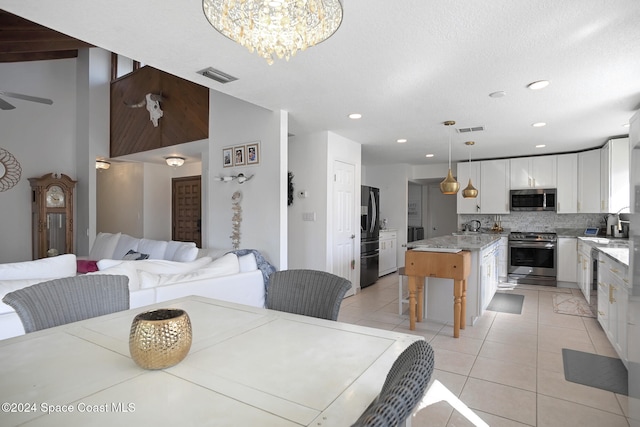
186,210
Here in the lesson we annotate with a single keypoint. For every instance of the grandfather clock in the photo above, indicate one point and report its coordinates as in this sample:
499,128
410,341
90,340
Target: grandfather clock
52,215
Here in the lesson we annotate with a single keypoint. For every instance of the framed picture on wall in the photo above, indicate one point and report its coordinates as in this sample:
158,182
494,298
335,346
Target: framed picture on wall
227,157
253,153
238,156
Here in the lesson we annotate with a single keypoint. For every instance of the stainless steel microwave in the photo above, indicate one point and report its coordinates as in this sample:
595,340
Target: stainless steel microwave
535,199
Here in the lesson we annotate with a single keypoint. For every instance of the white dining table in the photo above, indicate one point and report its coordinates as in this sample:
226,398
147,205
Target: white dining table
247,367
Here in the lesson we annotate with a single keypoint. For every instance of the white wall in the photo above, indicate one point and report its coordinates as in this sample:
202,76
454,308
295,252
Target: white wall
308,161
264,209
40,137
120,205
311,160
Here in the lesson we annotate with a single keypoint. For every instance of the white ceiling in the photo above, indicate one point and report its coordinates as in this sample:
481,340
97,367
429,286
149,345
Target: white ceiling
407,66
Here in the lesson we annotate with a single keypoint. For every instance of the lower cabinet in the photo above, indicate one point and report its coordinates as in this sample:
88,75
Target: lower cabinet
488,274
388,256
584,271
613,301
503,258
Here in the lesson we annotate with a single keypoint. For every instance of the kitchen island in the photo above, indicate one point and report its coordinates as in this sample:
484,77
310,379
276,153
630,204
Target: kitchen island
482,282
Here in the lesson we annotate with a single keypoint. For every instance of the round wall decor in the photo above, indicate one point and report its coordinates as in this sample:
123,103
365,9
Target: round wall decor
10,170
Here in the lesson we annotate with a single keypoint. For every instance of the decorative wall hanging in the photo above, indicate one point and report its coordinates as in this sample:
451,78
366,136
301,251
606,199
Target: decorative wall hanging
290,189
253,153
10,170
152,102
236,220
241,155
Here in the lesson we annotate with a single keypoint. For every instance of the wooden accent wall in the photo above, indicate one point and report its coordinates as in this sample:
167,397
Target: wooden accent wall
185,107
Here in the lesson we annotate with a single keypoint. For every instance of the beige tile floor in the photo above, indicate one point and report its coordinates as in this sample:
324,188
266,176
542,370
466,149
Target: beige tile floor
507,367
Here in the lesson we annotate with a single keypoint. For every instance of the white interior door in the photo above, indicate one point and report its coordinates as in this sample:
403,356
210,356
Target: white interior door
344,223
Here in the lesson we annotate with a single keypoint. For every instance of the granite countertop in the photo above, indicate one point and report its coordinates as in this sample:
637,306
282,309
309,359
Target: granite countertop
616,248
467,242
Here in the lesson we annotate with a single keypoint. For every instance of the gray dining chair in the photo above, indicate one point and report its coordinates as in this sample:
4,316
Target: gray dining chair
309,292
70,299
403,388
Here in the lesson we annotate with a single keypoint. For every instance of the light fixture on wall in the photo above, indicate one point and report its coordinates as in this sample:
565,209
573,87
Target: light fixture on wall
275,28
449,185
102,165
175,161
240,177
470,192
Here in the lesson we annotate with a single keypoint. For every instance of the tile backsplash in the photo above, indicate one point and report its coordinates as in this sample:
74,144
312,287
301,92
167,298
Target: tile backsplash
535,221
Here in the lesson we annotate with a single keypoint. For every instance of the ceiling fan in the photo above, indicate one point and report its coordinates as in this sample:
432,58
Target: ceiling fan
4,105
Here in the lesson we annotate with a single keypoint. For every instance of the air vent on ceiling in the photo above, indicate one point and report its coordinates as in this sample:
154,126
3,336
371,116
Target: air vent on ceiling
471,129
217,75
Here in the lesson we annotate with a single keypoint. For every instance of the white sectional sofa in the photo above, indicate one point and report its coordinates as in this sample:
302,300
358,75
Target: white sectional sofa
227,277
117,245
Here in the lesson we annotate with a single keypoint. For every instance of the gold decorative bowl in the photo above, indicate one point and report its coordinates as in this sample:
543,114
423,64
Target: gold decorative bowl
160,338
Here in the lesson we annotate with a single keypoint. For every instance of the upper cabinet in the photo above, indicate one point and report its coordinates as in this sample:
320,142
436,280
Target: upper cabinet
567,188
466,171
589,181
533,172
614,170
494,192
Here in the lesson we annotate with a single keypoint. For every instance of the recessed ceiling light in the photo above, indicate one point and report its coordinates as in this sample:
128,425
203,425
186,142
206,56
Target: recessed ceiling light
539,124
498,94
355,116
401,141
540,84
429,155
540,146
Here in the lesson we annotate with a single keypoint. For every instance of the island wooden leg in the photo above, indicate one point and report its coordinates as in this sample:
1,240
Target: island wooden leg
413,285
457,307
463,311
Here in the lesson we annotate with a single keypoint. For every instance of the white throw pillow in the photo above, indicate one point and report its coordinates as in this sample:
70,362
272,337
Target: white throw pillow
125,244
103,264
173,246
186,253
104,246
125,269
45,268
247,263
155,248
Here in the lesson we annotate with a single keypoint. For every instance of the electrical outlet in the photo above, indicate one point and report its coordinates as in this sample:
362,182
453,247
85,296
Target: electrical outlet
308,216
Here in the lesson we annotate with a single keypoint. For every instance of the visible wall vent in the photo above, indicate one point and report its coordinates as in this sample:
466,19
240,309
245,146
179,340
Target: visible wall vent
217,75
471,129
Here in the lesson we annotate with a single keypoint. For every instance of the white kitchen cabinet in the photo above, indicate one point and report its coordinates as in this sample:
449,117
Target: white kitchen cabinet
614,171
468,170
613,301
494,192
584,271
567,188
533,172
567,259
388,258
589,181
488,274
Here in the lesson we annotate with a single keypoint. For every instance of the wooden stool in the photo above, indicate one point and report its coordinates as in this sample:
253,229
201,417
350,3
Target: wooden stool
446,265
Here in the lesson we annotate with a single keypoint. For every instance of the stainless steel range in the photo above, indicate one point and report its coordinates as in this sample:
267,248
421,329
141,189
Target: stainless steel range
533,258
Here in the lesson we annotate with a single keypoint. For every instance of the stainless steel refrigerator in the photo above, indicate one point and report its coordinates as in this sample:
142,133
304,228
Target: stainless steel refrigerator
369,235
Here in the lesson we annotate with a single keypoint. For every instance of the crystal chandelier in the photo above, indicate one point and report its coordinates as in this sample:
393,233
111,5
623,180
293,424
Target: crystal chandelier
274,27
